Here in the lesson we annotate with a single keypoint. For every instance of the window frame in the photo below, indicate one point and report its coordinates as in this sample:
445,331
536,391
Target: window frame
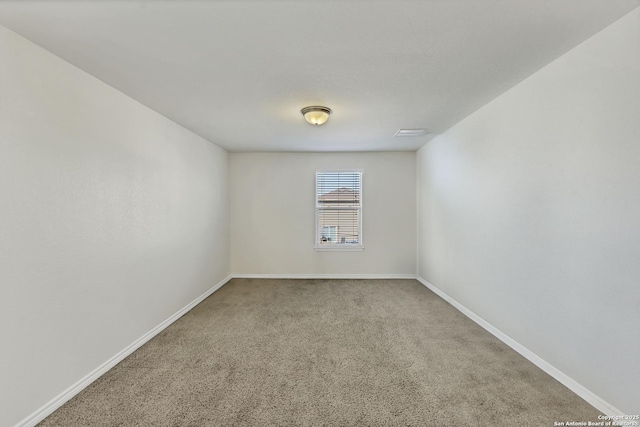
338,247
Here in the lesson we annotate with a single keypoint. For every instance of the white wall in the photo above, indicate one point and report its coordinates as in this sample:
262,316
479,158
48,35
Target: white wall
112,218
272,223
529,213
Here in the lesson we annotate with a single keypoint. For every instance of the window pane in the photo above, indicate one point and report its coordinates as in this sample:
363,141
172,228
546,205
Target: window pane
338,208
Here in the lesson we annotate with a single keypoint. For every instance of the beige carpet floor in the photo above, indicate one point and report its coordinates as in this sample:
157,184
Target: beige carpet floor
323,353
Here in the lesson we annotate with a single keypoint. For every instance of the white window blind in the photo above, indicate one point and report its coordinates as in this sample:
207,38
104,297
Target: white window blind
339,210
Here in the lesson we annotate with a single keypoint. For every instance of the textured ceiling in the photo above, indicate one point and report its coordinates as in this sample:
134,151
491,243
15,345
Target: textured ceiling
238,72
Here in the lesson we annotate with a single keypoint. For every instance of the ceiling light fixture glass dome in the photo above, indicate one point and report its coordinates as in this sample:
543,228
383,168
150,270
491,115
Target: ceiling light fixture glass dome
316,115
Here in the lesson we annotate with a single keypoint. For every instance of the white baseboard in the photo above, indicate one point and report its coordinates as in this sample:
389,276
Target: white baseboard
323,276
76,388
590,397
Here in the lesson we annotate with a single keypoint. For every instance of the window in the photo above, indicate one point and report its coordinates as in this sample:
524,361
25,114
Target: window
339,210
329,233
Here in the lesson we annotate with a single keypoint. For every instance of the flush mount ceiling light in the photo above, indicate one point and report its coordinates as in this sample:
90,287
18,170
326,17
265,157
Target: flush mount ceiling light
316,115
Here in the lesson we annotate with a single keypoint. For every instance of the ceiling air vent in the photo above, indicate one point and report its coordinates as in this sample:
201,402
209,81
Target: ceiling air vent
411,132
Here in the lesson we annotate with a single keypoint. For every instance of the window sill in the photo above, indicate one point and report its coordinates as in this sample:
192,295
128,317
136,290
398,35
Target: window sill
339,248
